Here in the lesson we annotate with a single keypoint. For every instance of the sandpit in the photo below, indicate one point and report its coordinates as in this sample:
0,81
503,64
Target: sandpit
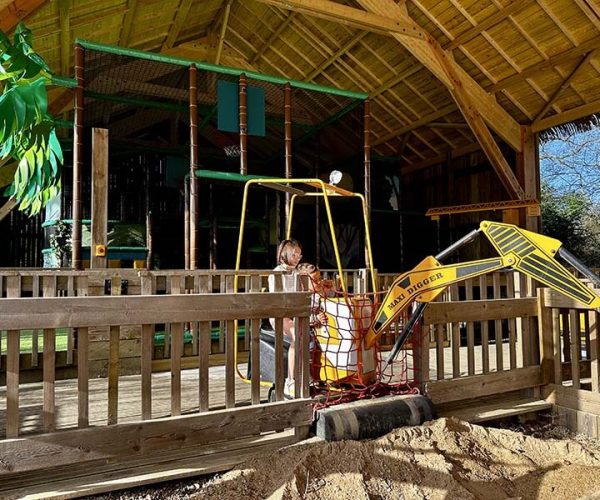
443,459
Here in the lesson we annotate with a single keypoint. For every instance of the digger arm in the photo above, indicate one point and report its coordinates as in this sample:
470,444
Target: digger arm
528,252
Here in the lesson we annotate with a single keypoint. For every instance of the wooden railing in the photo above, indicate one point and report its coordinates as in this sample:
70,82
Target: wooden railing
116,313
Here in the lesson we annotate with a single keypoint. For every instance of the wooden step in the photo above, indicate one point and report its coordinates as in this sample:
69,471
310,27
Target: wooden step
100,478
497,410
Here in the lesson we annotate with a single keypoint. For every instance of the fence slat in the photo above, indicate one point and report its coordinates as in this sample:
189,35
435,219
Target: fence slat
574,328
49,356
146,370
83,375
13,351
512,325
230,354
556,346
439,350
455,332
485,342
70,331
470,331
498,326
176,351
35,289
594,347
255,347
203,348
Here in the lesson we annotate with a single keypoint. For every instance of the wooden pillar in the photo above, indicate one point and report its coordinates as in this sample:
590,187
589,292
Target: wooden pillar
98,250
77,160
186,222
243,126
287,113
150,254
528,173
193,263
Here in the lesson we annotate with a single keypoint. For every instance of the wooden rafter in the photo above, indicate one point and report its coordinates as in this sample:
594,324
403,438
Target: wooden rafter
17,11
450,154
563,86
223,31
332,11
500,15
128,22
567,116
425,49
352,41
178,22
274,36
556,60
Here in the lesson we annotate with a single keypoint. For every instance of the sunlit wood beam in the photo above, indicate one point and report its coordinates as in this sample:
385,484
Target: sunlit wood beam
16,12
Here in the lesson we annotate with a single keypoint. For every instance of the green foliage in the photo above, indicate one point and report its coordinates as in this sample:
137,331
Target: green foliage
572,218
60,242
27,131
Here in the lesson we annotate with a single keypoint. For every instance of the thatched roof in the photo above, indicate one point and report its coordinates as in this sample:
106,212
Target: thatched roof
427,64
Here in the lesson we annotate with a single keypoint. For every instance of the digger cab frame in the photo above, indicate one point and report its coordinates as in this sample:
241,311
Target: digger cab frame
309,187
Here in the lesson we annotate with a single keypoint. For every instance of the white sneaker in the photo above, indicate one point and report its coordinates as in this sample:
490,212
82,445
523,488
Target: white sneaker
289,388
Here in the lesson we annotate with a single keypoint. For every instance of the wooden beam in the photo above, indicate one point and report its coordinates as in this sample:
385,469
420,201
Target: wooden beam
466,91
182,13
500,15
223,31
483,135
379,15
350,43
479,310
563,86
99,197
127,22
7,207
274,36
18,11
567,116
137,310
445,391
357,18
556,60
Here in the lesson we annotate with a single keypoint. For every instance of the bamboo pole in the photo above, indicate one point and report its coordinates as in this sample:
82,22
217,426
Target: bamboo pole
243,126
193,235
77,160
287,120
186,222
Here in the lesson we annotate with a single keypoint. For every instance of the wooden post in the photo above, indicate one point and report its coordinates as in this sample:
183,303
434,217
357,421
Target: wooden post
287,112
243,126
547,350
99,258
77,160
193,166
528,175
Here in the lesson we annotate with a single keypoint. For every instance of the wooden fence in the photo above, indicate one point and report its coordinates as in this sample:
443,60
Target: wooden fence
114,425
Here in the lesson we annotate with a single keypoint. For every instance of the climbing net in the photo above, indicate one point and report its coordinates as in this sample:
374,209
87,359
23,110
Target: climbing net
342,368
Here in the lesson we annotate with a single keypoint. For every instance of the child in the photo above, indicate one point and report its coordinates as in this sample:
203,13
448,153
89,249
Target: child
320,288
289,253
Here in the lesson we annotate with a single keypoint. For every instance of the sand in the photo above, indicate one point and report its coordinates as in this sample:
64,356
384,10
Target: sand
443,459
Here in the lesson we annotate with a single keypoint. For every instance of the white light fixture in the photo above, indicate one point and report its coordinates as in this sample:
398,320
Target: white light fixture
335,177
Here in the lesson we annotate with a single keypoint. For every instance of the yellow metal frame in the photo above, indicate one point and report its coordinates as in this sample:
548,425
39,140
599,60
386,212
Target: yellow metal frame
322,190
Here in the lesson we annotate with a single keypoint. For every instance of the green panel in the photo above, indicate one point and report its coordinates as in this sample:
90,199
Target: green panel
228,111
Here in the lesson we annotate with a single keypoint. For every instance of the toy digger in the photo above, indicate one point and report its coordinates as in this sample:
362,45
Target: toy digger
348,358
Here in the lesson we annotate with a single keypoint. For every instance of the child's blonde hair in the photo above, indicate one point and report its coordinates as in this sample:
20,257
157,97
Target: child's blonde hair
285,250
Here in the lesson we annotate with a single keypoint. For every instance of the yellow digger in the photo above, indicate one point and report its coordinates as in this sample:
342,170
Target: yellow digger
349,362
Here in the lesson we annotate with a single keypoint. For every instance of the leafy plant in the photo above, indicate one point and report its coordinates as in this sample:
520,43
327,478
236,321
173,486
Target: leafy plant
27,131
60,242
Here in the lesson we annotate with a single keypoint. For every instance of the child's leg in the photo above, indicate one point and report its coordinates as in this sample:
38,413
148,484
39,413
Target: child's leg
288,331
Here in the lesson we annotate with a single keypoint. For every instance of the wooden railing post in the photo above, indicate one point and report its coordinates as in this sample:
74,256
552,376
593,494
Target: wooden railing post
546,336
